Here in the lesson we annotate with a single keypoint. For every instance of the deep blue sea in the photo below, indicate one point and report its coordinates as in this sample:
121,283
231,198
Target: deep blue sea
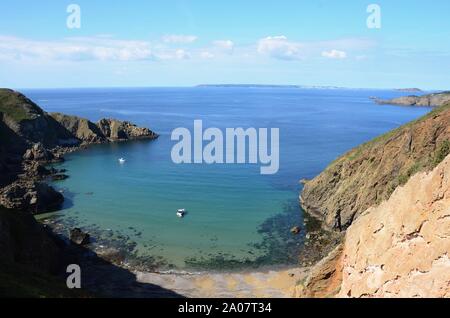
235,214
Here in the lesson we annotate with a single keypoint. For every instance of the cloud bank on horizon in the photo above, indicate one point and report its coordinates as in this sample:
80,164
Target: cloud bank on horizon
176,46
183,43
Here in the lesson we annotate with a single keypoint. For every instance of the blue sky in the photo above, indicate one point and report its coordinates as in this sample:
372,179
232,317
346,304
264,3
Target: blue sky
184,43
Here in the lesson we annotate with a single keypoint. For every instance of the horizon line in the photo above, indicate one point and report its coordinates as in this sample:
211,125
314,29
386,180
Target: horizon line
229,85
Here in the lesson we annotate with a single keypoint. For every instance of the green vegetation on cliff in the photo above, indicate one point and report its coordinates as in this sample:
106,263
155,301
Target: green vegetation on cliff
10,102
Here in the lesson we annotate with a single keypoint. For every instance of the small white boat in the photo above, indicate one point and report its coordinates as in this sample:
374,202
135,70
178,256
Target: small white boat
122,161
181,213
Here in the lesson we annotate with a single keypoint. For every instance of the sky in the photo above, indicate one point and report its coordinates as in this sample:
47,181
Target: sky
189,42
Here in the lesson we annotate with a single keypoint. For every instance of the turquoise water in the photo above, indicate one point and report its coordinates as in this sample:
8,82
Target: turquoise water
235,215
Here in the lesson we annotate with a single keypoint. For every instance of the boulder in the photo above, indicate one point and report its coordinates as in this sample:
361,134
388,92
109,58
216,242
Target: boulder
78,237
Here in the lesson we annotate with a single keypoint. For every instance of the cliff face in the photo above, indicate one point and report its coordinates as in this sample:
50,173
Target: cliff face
401,248
433,100
398,249
368,174
82,130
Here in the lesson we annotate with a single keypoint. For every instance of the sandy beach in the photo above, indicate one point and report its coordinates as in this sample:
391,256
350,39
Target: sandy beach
258,284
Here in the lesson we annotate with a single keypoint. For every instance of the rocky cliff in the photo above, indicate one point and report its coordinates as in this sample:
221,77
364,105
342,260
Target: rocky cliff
397,249
368,174
430,100
30,138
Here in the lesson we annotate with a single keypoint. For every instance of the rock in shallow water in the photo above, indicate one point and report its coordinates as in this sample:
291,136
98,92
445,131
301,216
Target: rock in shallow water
296,230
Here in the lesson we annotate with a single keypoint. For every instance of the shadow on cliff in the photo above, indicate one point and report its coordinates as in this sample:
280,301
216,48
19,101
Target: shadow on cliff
33,262
101,278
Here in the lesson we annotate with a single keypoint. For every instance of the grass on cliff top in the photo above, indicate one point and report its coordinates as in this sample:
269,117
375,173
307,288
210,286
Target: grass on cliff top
10,102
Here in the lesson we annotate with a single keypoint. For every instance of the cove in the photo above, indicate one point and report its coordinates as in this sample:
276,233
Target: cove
237,217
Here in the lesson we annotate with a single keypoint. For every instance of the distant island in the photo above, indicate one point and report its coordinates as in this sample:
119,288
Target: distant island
268,86
248,86
410,90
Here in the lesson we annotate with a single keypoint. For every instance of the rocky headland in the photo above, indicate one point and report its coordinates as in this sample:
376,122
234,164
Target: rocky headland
429,100
32,138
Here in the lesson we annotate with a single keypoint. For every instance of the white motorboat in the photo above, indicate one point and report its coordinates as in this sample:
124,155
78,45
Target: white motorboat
122,161
181,213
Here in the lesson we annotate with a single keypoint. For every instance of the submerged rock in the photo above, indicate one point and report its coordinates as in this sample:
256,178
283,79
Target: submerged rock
59,177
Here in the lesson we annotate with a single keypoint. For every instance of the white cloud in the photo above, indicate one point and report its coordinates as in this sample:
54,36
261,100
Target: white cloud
206,55
181,54
179,39
75,49
280,47
225,45
86,49
334,54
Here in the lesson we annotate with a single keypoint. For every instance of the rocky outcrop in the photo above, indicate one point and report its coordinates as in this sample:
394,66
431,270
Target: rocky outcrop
104,131
31,196
38,153
430,100
123,130
368,174
398,249
324,279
